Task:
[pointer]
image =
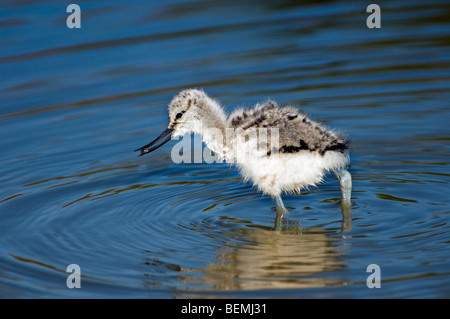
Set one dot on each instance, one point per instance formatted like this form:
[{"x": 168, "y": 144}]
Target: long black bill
[{"x": 146, "y": 148}]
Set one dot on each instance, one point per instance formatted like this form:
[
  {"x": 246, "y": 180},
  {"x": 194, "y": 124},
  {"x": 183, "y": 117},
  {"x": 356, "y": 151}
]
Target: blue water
[{"x": 75, "y": 103}]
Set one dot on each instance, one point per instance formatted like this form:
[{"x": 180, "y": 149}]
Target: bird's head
[{"x": 185, "y": 110}]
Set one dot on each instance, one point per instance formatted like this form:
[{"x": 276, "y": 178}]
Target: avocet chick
[{"x": 285, "y": 151}]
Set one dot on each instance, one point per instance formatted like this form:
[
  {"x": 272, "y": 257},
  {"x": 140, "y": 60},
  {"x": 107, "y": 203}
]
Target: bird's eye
[{"x": 179, "y": 115}]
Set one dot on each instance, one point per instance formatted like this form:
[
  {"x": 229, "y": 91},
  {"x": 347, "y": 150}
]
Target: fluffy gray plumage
[
  {"x": 296, "y": 131},
  {"x": 308, "y": 149}
]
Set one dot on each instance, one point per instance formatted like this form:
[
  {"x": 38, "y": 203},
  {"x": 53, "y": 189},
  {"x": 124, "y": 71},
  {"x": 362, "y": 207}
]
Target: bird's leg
[
  {"x": 279, "y": 203},
  {"x": 345, "y": 181},
  {"x": 280, "y": 212}
]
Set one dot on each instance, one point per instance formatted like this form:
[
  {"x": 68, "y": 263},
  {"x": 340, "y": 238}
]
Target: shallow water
[{"x": 75, "y": 103}]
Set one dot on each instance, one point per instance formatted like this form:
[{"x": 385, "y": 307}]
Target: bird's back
[
  {"x": 296, "y": 131},
  {"x": 298, "y": 158}
]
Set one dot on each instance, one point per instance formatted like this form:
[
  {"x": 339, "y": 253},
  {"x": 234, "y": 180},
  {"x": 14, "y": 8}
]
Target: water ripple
[{"x": 74, "y": 105}]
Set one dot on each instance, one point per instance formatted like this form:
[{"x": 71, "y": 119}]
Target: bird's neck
[{"x": 212, "y": 127}]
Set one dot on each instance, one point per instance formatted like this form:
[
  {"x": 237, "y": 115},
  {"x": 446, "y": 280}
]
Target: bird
[{"x": 278, "y": 148}]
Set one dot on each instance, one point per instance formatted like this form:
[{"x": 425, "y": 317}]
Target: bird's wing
[{"x": 288, "y": 130}]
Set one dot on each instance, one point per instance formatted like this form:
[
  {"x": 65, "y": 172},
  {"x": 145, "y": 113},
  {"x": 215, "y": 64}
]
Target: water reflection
[
  {"x": 72, "y": 191},
  {"x": 346, "y": 224},
  {"x": 286, "y": 259},
  {"x": 256, "y": 257},
  {"x": 264, "y": 259}
]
